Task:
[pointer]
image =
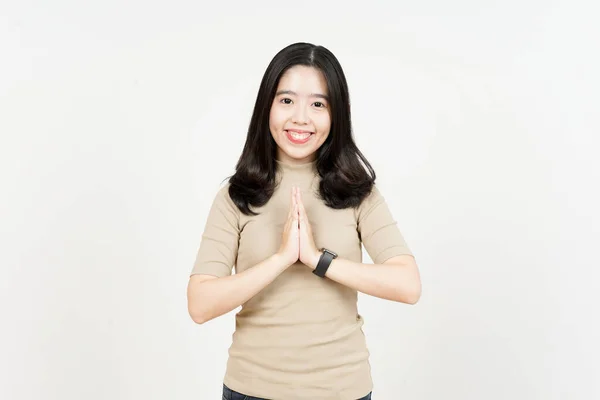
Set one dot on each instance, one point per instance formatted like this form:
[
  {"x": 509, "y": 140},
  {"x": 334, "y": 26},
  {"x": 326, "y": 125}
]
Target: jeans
[{"x": 229, "y": 394}]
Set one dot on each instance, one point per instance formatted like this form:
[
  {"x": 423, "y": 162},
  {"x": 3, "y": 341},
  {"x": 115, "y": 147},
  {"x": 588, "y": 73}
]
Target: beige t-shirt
[{"x": 301, "y": 336}]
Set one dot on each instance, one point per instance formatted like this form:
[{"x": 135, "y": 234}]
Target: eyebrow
[{"x": 319, "y": 95}]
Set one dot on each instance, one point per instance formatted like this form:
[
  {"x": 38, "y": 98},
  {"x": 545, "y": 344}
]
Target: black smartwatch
[{"x": 324, "y": 262}]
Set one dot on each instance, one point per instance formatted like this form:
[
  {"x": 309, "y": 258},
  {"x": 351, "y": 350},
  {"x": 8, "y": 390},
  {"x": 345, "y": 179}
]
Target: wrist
[
  {"x": 324, "y": 261},
  {"x": 315, "y": 259},
  {"x": 281, "y": 260}
]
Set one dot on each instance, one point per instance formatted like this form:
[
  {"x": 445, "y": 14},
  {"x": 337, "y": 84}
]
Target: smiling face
[{"x": 300, "y": 116}]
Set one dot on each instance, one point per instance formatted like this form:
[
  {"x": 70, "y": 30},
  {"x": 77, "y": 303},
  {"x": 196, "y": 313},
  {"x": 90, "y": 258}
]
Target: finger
[
  {"x": 296, "y": 216},
  {"x": 292, "y": 203},
  {"x": 301, "y": 208},
  {"x": 296, "y": 189},
  {"x": 290, "y": 216}
]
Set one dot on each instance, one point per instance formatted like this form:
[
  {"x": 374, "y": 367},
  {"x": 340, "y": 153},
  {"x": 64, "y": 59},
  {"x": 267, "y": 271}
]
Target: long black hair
[{"x": 344, "y": 181}]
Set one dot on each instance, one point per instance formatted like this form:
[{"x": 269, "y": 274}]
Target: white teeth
[{"x": 299, "y": 136}]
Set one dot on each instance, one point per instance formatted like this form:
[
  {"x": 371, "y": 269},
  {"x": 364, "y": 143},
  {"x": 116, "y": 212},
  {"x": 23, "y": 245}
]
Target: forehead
[{"x": 303, "y": 80}]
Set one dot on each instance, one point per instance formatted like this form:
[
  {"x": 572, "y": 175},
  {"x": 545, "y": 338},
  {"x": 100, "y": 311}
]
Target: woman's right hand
[{"x": 289, "y": 249}]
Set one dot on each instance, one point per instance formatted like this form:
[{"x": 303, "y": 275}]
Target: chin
[{"x": 298, "y": 155}]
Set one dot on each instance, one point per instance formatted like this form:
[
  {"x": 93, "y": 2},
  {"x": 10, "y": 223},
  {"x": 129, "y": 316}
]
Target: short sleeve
[
  {"x": 378, "y": 230},
  {"x": 218, "y": 248}
]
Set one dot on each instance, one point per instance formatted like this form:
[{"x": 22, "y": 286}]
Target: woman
[{"x": 292, "y": 219}]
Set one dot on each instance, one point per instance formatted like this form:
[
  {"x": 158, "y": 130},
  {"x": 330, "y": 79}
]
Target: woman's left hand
[{"x": 309, "y": 254}]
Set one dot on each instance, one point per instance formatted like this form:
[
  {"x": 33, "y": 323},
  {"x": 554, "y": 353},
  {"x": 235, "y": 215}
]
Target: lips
[{"x": 297, "y": 136}]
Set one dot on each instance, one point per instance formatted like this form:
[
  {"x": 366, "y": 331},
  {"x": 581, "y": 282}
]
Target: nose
[{"x": 300, "y": 115}]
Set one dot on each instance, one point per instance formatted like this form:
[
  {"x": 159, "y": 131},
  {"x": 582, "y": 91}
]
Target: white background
[{"x": 120, "y": 120}]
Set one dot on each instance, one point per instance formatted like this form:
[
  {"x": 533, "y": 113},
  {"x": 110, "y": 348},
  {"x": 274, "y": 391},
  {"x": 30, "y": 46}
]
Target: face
[{"x": 300, "y": 116}]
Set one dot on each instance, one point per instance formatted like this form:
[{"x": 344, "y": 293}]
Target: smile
[{"x": 298, "y": 138}]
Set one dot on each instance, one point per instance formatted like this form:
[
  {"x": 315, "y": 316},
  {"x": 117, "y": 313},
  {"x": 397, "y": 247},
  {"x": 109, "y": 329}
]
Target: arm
[
  {"x": 210, "y": 297},
  {"x": 396, "y": 279},
  {"x": 212, "y": 289}
]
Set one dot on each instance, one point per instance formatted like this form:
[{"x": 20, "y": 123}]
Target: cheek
[
  {"x": 324, "y": 124},
  {"x": 276, "y": 119}
]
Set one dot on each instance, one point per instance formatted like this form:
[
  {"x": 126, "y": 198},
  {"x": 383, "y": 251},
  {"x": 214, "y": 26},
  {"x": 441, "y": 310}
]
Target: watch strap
[{"x": 324, "y": 263}]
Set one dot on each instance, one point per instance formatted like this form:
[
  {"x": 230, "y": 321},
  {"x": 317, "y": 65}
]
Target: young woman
[{"x": 292, "y": 220}]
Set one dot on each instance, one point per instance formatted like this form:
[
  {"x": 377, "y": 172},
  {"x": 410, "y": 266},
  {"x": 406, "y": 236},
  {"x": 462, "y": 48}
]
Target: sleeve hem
[
  {"x": 392, "y": 252},
  {"x": 216, "y": 269}
]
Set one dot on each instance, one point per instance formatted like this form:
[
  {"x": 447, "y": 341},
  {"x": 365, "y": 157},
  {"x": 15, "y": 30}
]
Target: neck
[{"x": 302, "y": 166}]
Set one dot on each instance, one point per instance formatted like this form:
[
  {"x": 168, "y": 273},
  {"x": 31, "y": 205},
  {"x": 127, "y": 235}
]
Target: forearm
[
  {"x": 211, "y": 298},
  {"x": 397, "y": 282}
]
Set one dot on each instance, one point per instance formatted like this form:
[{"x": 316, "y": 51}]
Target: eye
[
  {"x": 321, "y": 105},
  {"x": 284, "y": 99}
]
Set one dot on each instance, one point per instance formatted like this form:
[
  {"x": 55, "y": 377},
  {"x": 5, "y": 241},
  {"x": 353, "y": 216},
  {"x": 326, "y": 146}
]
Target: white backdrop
[{"x": 119, "y": 121}]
